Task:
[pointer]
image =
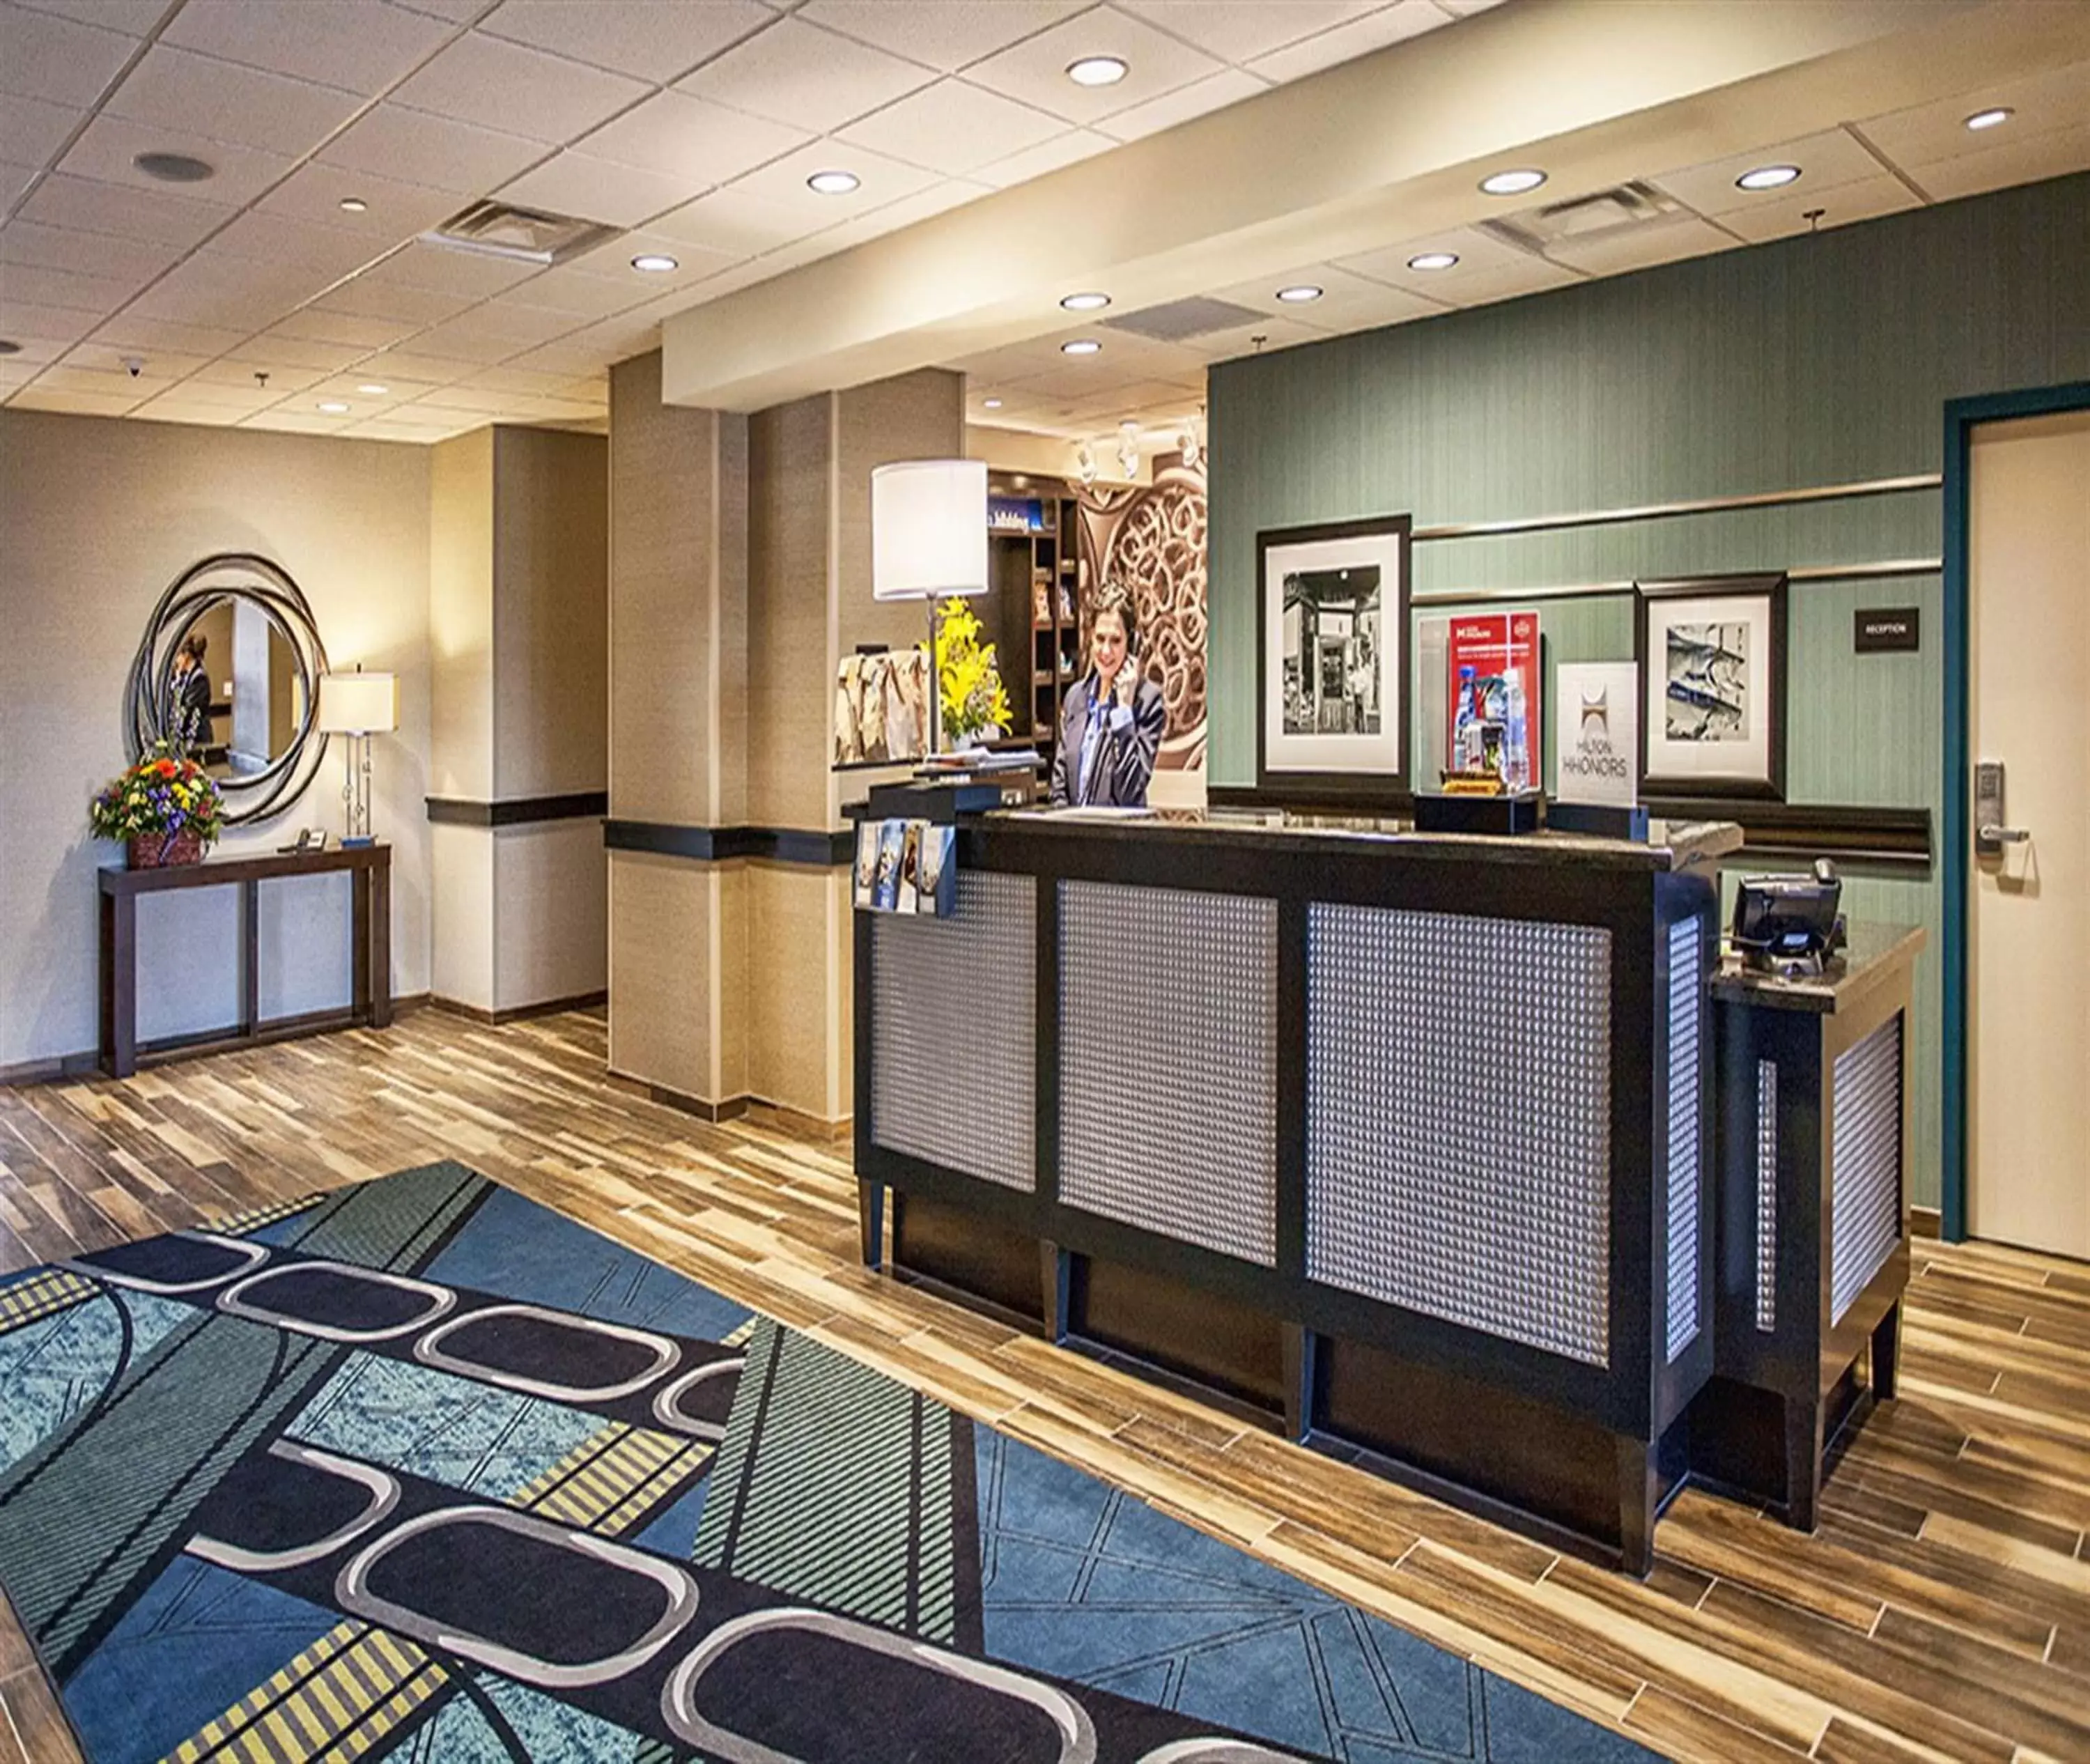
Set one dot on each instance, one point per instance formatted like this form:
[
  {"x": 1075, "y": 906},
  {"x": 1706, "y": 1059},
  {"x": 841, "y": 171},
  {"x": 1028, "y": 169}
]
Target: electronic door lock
[{"x": 1990, "y": 833}]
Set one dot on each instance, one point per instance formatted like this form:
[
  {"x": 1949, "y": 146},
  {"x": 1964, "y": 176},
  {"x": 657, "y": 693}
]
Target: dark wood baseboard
[
  {"x": 66, "y": 1067},
  {"x": 757, "y": 1111},
  {"x": 516, "y": 1013},
  {"x": 731, "y": 1109},
  {"x": 1926, "y": 1222}
]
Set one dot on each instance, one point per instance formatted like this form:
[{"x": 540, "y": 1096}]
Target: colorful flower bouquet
[
  {"x": 968, "y": 679},
  {"x": 166, "y": 808}
]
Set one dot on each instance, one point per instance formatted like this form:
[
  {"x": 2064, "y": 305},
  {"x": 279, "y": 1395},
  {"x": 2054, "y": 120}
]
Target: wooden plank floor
[{"x": 1942, "y": 1611}]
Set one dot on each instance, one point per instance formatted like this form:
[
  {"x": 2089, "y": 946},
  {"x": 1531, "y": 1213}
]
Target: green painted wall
[{"x": 1811, "y": 361}]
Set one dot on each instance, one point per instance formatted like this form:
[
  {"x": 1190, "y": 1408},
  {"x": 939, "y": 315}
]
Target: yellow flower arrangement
[{"x": 968, "y": 675}]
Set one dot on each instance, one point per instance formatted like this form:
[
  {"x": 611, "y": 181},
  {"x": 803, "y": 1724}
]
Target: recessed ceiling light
[
  {"x": 1080, "y": 345},
  {"x": 9, "y": 347},
  {"x": 1511, "y": 183},
  {"x": 333, "y": 408},
  {"x": 1097, "y": 71},
  {"x": 991, "y": 404},
  {"x": 1303, "y": 292},
  {"x": 833, "y": 183},
  {"x": 1987, "y": 119},
  {"x": 1433, "y": 260},
  {"x": 373, "y": 390},
  {"x": 654, "y": 264},
  {"x": 353, "y": 205},
  {"x": 1767, "y": 178},
  {"x": 1084, "y": 303},
  {"x": 174, "y": 168}
]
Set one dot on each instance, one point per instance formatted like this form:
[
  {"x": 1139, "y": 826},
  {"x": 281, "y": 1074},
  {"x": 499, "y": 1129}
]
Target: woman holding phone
[{"x": 1110, "y": 725}]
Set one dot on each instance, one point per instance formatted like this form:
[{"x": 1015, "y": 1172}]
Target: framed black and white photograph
[
  {"x": 1332, "y": 662},
  {"x": 1711, "y": 653}
]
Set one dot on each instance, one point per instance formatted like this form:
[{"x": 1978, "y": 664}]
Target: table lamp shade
[
  {"x": 358, "y": 704},
  {"x": 928, "y": 529}
]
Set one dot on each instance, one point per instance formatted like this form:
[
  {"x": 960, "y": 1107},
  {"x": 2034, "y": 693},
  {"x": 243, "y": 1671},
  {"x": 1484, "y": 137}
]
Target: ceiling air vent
[
  {"x": 495, "y": 229},
  {"x": 1582, "y": 219},
  {"x": 1179, "y": 321}
]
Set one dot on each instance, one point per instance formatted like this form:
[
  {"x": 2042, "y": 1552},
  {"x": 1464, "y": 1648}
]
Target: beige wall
[
  {"x": 551, "y": 608},
  {"x": 461, "y": 867},
  {"x": 461, "y": 615},
  {"x": 98, "y": 516},
  {"x": 551, "y": 901},
  {"x": 791, "y": 573}
]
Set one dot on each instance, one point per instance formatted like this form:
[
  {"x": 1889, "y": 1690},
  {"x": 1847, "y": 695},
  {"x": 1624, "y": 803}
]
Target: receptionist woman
[{"x": 1111, "y": 725}]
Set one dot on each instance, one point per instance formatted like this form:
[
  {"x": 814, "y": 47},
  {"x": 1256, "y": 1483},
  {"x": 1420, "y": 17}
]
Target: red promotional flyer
[{"x": 1495, "y": 698}]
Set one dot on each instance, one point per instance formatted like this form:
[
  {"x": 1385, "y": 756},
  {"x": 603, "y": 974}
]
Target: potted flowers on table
[
  {"x": 165, "y": 808},
  {"x": 968, "y": 679}
]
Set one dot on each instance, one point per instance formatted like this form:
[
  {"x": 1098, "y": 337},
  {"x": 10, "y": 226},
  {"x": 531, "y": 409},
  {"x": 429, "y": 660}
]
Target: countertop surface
[
  {"x": 1669, "y": 845},
  {"x": 1871, "y": 956}
]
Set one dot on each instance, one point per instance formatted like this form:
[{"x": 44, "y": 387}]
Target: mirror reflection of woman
[
  {"x": 1111, "y": 727},
  {"x": 187, "y": 721}
]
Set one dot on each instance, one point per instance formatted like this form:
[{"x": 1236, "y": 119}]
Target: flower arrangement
[
  {"x": 968, "y": 676},
  {"x": 165, "y": 805}
]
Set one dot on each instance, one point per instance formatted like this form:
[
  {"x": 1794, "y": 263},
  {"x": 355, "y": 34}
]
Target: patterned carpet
[{"x": 422, "y": 1471}]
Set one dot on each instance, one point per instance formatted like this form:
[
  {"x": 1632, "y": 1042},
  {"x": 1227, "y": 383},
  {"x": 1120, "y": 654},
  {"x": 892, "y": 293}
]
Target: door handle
[{"x": 1993, "y": 834}]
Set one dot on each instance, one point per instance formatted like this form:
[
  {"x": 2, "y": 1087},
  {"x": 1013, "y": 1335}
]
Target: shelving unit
[{"x": 1041, "y": 656}]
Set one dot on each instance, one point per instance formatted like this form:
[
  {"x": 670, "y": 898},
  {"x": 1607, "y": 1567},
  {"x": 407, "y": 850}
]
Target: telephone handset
[{"x": 308, "y": 839}]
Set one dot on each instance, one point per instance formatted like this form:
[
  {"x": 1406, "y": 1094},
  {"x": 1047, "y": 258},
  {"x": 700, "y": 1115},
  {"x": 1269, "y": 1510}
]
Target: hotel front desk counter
[{"x": 1405, "y": 1142}]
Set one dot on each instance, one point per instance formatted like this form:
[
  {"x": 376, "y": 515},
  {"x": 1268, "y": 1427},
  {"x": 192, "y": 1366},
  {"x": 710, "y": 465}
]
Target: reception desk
[{"x": 1401, "y": 1140}]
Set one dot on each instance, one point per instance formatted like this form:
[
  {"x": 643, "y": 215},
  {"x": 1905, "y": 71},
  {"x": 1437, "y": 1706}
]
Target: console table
[{"x": 370, "y": 893}]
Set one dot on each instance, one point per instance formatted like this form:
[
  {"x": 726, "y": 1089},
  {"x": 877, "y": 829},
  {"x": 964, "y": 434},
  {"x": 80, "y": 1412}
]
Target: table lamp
[
  {"x": 928, "y": 539},
  {"x": 357, "y": 705}
]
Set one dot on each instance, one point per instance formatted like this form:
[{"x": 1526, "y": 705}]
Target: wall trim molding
[
  {"x": 1882, "y": 570},
  {"x": 515, "y": 1013},
  {"x": 518, "y": 810},
  {"x": 717, "y": 845},
  {"x": 1661, "y": 511}
]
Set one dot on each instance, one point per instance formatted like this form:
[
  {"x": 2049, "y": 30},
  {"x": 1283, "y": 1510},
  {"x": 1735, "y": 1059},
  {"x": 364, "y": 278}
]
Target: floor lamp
[
  {"x": 357, "y": 705},
  {"x": 928, "y": 539}
]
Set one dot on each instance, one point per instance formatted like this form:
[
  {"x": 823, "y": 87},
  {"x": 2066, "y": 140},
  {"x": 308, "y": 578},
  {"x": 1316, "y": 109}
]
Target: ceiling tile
[
  {"x": 1666, "y": 241},
  {"x": 1825, "y": 161},
  {"x": 1067, "y": 149},
  {"x": 365, "y": 299},
  {"x": 522, "y": 379},
  {"x": 689, "y": 137},
  {"x": 413, "y": 147},
  {"x": 158, "y": 365},
  {"x": 947, "y": 34},
  {"x": 70, "y": 289},
  {"x": 1858, "y": 200},
  {"x": 59, "y": 60},
  {"x": 232, "y": 381},
  {"x": 114, "y": 381},
  {"x": 289, "y": 421},
  {"x": 2057, "y": 98},
  {"x": 28, "y": 244},
  {"x": 120, "y": 209},
  {"x": 515, "y": 326},
  {"x": 652, "y": 39},
  {"x": 411, "y": 365},
  {"x": 288, "y": 346},
  {"x": 612, "y": 262},
  {"x": 134, "y": 18},
  {"x": 882, "y": 180},
  {"x": 953, "y": 127},
  {"x": 133, "y": 330},
  {"x": 40, "y": 334},
  {"x": 1348, "y": 301},
  {"x": 443, "y": 270},
  {"x": 457, "y": 11},
  {"x": 1034, "y": 71},
  {"x": 1230, "y": 85},
  {"x": 503, "y": 85},
  {"x": 1346, "y": 42},
  {"x": 331, "y": 338},
  {"x": 172, "y": 408},
  {"x": 461, "y": 338},
  {"x": 938, "y": 198},
  {"x": 560, "y": 357},
  {"x": 110, "y": 143},
  {"x": 2051, "y": 153},
  {"x": 1487, "y": 268},
  {"x": 582, "y": 297},
  {"x": 31, "y": 130},
  {"x": 736, "y": 223},
  {"x": 228, "y": 291},
  {"x": 179, "y": 89},
  {"x": 1238, "y": 31},
  {"x": 333, "y": 250},
  {"x": 391, "y": 212},
  {"x": 601, "y": 190},
  {"x": 14, "y": 181},
  {"x": 34, "y": 398},
  {"x": 362, "y": 46},
  {"x": 799, "y": 73}
]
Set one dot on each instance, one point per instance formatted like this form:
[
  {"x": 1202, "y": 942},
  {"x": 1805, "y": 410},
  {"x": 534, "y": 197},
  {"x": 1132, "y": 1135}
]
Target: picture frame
[
  {"x": 1332, "y": 712},
  {"x": 1711, "y": 655}
]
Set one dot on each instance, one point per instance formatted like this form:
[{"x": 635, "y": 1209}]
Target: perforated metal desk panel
[{"x": 1401, "y": 1137}]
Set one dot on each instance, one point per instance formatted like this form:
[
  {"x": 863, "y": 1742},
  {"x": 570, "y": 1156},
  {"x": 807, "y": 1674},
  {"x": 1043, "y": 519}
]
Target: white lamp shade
[
  {"x": 358, "y": 704},
  {"x": 928, "y": 528}
]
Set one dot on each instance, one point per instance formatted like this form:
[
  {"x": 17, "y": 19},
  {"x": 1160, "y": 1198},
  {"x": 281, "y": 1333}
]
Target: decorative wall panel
[
  {"x": 1458, "y": 1120},
  {"x": 1169, "y": 1063},
  {"x": 954, "y": 1031},
  {"x": 1864, "y": 1162},
  {"x": 1686, "y": 1157},
  {"x": 1767, "y": 1195}
]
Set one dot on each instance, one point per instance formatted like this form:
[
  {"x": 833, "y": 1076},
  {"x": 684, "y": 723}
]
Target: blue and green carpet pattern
[{"x": 421, "y": 1471}]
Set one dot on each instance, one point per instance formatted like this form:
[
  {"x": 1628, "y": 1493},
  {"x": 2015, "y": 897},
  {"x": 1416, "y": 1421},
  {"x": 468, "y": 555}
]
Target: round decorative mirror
[{"x": 229, "y": 669}]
